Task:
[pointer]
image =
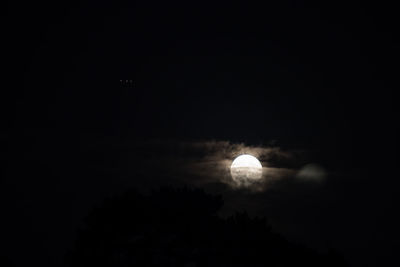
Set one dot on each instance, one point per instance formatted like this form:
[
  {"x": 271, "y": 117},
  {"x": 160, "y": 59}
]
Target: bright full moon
[{"x": 246, "y": 169}]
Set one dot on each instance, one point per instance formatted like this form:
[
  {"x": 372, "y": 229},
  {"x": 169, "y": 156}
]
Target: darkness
[{"x": 315, "y": 76}]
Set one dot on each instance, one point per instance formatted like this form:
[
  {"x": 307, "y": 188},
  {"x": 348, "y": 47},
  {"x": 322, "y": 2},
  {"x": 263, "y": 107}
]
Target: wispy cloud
[{"x": 208, "y": 162}]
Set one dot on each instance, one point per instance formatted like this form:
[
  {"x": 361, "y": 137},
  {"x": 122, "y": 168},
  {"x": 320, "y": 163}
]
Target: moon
[{"x": 246, "y": 169}]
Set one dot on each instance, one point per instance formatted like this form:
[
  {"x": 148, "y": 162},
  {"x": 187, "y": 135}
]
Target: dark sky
[{"x": 316, "y": 77}]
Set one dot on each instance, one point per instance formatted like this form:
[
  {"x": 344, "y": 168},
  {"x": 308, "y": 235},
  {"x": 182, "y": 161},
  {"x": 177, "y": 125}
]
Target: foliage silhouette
[
  {"x": 180, "y": 227},
  {"x": 5, "y": 261}
]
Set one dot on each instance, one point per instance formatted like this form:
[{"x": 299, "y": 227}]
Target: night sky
[{"x": 102, "y": 97}]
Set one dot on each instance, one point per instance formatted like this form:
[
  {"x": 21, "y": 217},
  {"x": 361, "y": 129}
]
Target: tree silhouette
[
  {"x": 5, "y": 261},
  {"x": 180, "y": 227}
]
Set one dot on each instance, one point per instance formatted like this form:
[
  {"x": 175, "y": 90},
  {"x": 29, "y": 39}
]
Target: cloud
[
  {"x": 200, "y": 163},
  {"x": 312, "y": 173}
]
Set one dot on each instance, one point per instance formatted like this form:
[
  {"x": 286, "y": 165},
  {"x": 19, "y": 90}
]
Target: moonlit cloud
[
  {"x": 201, "y": 163},
  {"x": 312, "y": 173}
]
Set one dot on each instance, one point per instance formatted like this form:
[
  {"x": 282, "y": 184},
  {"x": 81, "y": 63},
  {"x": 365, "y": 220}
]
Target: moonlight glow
[{"x": 246, "y": 169}]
